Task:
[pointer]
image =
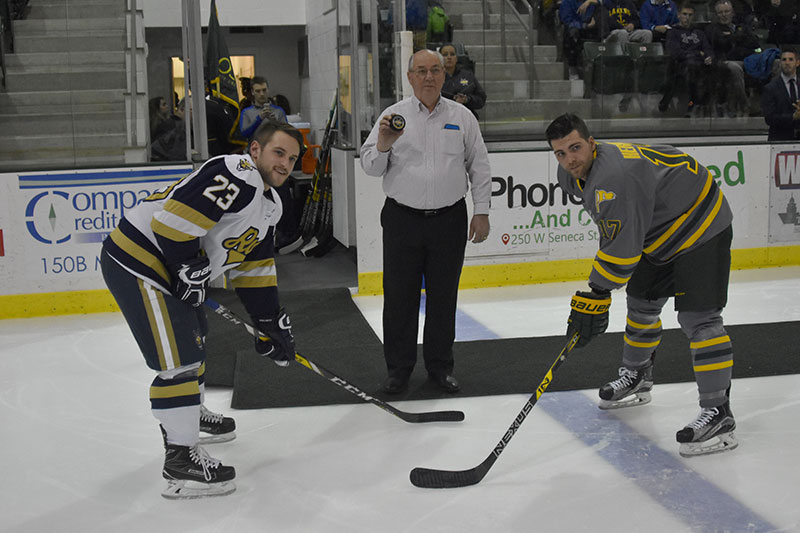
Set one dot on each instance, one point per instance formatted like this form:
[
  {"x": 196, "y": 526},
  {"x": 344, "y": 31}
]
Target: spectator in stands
[
  {"x": 581, "y": 22},
  {"x": 460, "y": 84},
  {"x": 171, "y": 145},
  {"x": 622, "y": 25},
  {"x": 221, "y": 127},
  {"x": 691, "y": 59},
  {"x": 247, "y": 92},
  {"x": 730, "y": 44},
  {"x": 159, "y": 116},
  {"x": 417, "y": 22},
  {"x": 262, "y": 108},
  {"x": 744, "y": 13},
  {"x": 780, "y": 101},
  {"x": 282, "y": 102},
  {"x": 782, "y": 19},
  {"x": 658, "y": 16}
]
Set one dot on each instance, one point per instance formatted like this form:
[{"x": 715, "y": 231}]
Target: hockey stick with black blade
[
  {"x": 428, "y": 478},
  {"x": 414, "y": 418}
]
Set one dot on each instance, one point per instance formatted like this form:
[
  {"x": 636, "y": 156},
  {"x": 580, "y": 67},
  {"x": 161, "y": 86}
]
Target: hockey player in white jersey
[
  {"x": 665, "y": 231},
  {"x": 157, "y": 264}
]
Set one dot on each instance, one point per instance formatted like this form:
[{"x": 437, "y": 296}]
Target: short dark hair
[
  {"x": 564, "y": 125},
  {"x": 789, "y": 49},
  {"x": 259, "y": 80},
  {"x": 268, "y": 128},
  {"x": 686, "y": 4}
]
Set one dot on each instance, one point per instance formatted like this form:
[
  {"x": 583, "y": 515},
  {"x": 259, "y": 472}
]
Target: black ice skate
[
  {"x": 219, "y": 428},
  {"x": 191, "y": 473},
  {"x": 711, "y": 432},
  {"x": 631, "y": 388}
]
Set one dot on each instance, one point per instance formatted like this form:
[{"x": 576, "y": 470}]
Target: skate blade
[
  {"x": 215, "y": 439},
  {"x": 639, "y": 398},
  {"x": 192, "y": 490},
  {"x": 721, "y": 443}
]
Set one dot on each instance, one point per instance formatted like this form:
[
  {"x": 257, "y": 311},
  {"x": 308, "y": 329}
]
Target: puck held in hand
[{"x": 397, "y": 123}]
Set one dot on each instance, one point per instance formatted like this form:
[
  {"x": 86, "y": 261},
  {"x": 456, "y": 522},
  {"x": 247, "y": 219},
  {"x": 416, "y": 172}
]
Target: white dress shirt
[{"x": 436, "y": 160}]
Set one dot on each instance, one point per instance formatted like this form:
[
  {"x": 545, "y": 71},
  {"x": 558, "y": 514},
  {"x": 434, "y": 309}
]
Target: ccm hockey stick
[
  {"x": 428, "y": 478},
  {"x": 432, "y": 416}
]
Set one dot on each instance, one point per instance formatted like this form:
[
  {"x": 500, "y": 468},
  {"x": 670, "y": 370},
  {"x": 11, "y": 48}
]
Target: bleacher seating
[{"x": 608, "y": 69}]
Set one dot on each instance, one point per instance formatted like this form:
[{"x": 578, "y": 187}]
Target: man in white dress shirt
[{"x": 427, "y": 169}]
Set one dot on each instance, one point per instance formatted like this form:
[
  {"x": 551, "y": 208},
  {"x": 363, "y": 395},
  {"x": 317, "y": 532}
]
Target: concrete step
[
  {"x": 64, "y": 123},
  {"x": 63, "y": 162},
  {"x": 58, "y": 25},
  {"x": 38, "y": 99},
  {"x": 82, "y": 142},
  {"x": 507, "y": 90},
  {"x": 87, "y": 41},
  {"x": 76, "y": 9},
  {"x": 41, "y": 59},
  {"x": 471, "y": 7},
  {"x": 72, "y": 77},
  {"x": 518, "y": 71},
  {"x": 534, "y": 109},
  {"x": 469, "y": 21},
  {"x": 511, "y": 129},
  {"x": 491, "y": 37},
  {"x": 515, "y": 52},
  {"x": 72, "y": 3}
]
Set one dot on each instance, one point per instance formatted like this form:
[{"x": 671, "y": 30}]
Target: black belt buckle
[{"x": 431, "y": 212}]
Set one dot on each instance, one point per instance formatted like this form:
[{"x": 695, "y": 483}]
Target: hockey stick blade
[
  {"x": 429, "y": 478},
  {"x": 414, "y": 418}
]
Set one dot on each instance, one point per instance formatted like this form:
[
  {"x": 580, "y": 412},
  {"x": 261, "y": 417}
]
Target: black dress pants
[{"x": 416, "y": 246}]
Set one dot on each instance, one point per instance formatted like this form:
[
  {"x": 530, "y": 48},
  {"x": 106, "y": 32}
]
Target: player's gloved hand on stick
[
  {"x": 190, "y": 280},
  {"x": 279, "y": 345},
  {"x": 589, "y": 315}
]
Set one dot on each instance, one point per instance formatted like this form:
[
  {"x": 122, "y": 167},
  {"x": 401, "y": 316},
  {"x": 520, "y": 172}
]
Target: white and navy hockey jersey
[
  {"x": 651, "y": 200},
  {"x": 221, "y": 208}
]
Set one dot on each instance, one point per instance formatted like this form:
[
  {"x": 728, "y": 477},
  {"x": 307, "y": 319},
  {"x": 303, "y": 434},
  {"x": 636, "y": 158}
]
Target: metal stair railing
[{"x": 529, "y": 26}]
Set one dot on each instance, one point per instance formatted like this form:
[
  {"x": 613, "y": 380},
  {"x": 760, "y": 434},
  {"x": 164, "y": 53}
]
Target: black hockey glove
[
  {"x": 279, "y": 343},
  {"x": 589, "y": 315},
  {"x": 190, "y": 280}
]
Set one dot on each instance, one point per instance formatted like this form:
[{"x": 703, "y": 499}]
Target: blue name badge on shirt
[{"x": 451, "y": 127}]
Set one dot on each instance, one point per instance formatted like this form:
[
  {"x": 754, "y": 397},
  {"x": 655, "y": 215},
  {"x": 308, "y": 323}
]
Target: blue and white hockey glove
[{"x": 279, "y": 343}]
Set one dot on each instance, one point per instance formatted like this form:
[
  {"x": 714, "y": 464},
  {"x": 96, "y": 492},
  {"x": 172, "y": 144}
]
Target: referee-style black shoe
[
  {"x": 446, "y": 382},
  {"x": 394, "y": 385}
]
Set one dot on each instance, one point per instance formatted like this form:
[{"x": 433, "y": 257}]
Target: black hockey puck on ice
[{"x": 397, "y": 123}]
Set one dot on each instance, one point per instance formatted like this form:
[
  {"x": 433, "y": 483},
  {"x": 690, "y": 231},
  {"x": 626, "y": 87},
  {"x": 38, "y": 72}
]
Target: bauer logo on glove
[
  {"x": 589, "y": 315},
  {"x": 590, "y": 305}
]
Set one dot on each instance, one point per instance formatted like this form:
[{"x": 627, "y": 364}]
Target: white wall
[{"x": 166, "y": 13}]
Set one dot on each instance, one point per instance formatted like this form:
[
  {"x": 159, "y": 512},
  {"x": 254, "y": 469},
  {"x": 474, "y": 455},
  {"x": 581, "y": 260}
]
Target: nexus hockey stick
[
  {"x": 428, "y": 478},
  {"x": 432, "y": 416}
]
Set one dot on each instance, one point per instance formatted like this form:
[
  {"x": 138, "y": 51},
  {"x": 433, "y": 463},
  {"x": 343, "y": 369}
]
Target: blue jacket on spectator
[
  {"x": 658, "y": 14},
  {"x": 568, "y": 13}
]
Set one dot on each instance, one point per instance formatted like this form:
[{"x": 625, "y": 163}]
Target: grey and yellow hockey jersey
[
  {"x": 221, "y": 208},
  {"x": 651, "y": 200}
]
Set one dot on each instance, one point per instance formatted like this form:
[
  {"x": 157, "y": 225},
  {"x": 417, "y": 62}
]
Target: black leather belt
[{"x": 424, "y": 212}]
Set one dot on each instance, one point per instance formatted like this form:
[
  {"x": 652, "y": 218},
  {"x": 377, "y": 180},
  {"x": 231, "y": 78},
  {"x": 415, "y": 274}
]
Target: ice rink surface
[{"x": 81, "y": 451}]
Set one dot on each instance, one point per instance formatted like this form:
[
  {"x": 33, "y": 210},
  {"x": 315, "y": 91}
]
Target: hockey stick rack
[
  {"x": 429, "y": 478},
  {"x": 316, "y": 221},
  {"x": 414, "y": 418}
]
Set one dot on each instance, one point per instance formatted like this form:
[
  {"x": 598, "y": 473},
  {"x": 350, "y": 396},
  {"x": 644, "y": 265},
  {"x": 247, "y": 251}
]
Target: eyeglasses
[{"x": 423, "y": 72}]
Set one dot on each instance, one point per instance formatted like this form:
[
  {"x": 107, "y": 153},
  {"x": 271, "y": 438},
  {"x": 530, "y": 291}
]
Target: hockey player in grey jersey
[
  {"x": 665, "y": 231},
  {"x": 157, "y": 264}
]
